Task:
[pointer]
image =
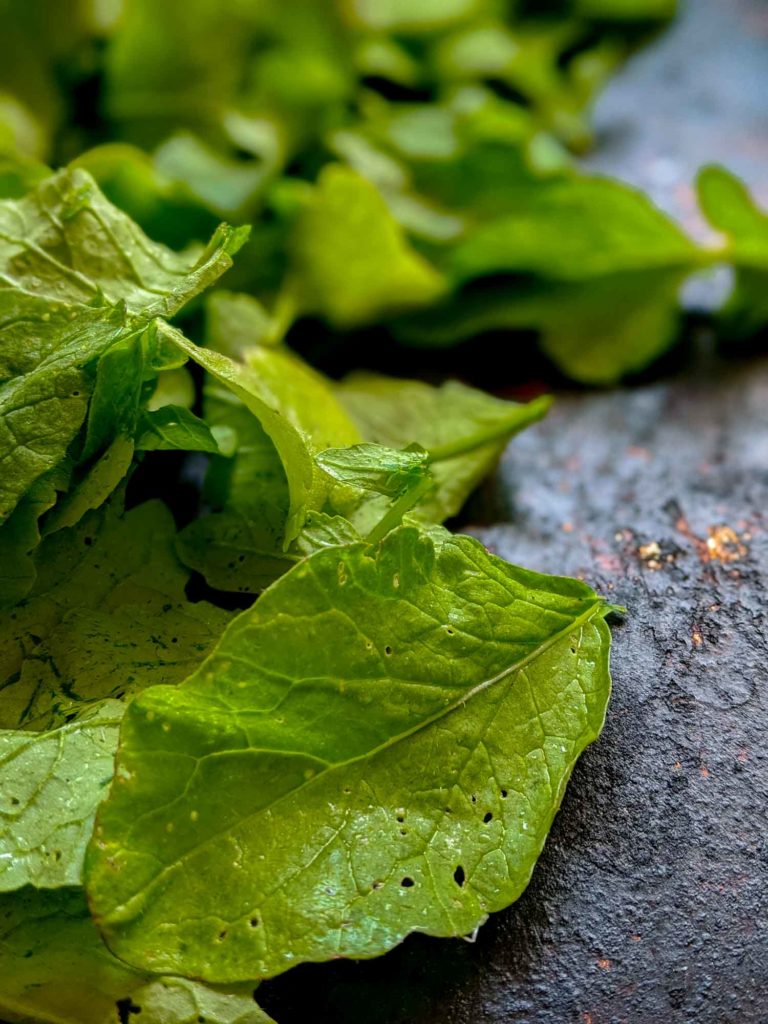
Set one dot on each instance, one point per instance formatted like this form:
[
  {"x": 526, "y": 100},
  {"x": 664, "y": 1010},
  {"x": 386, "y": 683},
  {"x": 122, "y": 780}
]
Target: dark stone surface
[{"x": 648, "y": 903}]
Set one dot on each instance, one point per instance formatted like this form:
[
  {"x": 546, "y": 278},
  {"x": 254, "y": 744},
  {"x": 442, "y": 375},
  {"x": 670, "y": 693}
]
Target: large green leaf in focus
[
  {"x": 55, "y": 969},
  {"x": 731, "y": 209},
  {"x": 399, "y": 724},
  {"x": 464, "y": 430},
  {"x": 107, "y": 616}
]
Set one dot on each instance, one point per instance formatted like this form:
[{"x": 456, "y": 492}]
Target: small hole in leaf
[
  {"x": 449, "y": 630},
  {"x": 459, "y": 876},
  {"x": 403, "y": 831},
  {"x": 87, "y": 541},
  {"x": 400, "y": 818},
  {"x": 473, "y": 798},
  {"x": 254, "y": 922},
  {"x": 15, "y": 801},
  {"x": 377, "y": 885},
  {"x": 504, "y": 794},
  {"x": 407, "y": 882},
  {"x": 488, "y": 817},
  {"x": 222, "y": 935},
  {"x": 241, "y": 558},
  {"x": 573, "y": 650},
  {"x": 174, "y": 639},
  {"x": 126, "y": 1007},
  {"x": 387, "y": 650},
  {"x": 447, "y": 810}
]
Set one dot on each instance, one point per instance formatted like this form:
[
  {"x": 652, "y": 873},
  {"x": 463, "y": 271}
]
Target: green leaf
[
  {"x": 163, "y": 207},
  {"x": 729, "y": 207},
  {"x": 618, "y": 10},
  {"x": 596, "y": 333},
  {"x": 411, "y": 15},
  {"x": 375, "y": 486},
  {"x": 463, "y": 430},
  {"x": 240, "y": 547},
  {"x": 352, "y": 262},
  {"x": 174, "y": 427},
  {"x": 575, "y": 229},
  {"x": 373, "y": 467},
  {"x": 235, "y": 323},
  {"x": 234, "y": 552},
  {"x": 54, "y": 969},
  {"x": 296, "y": 409},
  {"x": 63, "y": 246},
  {"x": 227, "y": 187},
  {"x": 107, "y": 617},
  {"x": 65, "y": 241},
  {"x": 93, "y": 489},
  {"x": 43, "y": 409},
  {"x": 324, "y": 531},
  {"x": 399, "y": 772},
  {"x": 18, "y": 176},
  {"x": 599, "y": 270},
  {"x": 173, "y": 387},
  {"x": 20, "y": 536},
  {"x": 178, "y": 63},
  {"x": 52, "y": 783}
]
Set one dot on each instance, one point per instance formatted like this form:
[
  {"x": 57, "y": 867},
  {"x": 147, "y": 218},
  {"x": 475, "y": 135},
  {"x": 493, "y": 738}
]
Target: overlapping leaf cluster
[
  {"x": 378, "y": 743},
  {"x": 378, "y": 638}
]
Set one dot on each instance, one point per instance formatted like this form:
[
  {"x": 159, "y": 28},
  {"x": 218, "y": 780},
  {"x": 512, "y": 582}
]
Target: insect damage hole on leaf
[
  {"x": 459, "y": 876},
  {"x": 407, "y": 883},
  {"x": 125, "y": 1008}
]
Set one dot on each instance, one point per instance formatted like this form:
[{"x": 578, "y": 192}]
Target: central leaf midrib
[{"x": 369, "y": 754}]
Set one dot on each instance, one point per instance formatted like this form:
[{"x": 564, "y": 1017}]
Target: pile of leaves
[{"x": 295, "y": 718}]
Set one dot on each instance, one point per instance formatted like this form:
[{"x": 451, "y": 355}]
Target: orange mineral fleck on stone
[{"x": 724, "y": 545}]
